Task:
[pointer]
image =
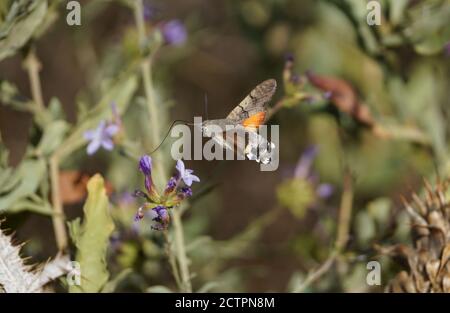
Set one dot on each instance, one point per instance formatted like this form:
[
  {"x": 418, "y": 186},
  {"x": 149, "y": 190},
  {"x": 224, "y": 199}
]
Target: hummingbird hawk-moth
[{"x": 248, "y": 115}]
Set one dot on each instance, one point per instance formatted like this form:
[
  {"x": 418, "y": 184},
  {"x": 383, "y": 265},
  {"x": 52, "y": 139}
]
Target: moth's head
[
  {"x": 211, "y": 128},
  {"x": 207, "y": 128}
]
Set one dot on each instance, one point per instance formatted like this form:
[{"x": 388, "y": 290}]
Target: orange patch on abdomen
[{"x": 255, "y": 120}]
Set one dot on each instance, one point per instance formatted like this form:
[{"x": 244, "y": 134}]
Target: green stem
[
  {"x": 159, "y": 172},
  {"x": 58, "y": 212},
  {"x": 152, "y": 109},
  {"x": 181, "y": 251},
  {"x": 33, "y": 66}
]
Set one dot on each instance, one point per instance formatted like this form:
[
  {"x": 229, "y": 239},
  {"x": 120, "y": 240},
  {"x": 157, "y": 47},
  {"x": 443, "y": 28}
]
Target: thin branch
[
  {"x": 160, "y": 175},
  {"x": 146, "y": 72},
  {"x": 181, "y": 251},
  {"x": 58, "y": 212},
  {"x": 344, "y": 220},
  {"x": 275, "y": 108},
  {"x": 33, "y": 67},
  {"x": 345, "y": 213},
  {"x": 319, "y": 272},
  {"x": 172, "y": 260}
]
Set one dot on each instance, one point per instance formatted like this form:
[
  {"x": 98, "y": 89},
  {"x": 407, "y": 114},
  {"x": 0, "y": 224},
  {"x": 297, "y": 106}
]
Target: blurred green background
[{"x": 248, "y": 230}]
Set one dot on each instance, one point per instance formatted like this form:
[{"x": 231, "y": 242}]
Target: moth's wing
[
  {"x": 255, "y": 102},
  {"x": 221, "y": 139},
  {"x": 229, "y": 141}
]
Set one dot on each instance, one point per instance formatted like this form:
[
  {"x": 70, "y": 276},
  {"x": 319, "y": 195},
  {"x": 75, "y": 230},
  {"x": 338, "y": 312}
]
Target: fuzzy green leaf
[
  {"x": 22, "y": 21},
  {"x": 53, "y": 136},
  {"x": 93, "y": 238},
  {"x": 23, "y": 183}
]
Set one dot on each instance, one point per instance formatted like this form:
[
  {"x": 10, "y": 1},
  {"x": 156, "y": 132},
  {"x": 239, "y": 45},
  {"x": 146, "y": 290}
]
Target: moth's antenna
[
  {"x": 168, "y": 131},
  {"x": 206, "y": 105}
]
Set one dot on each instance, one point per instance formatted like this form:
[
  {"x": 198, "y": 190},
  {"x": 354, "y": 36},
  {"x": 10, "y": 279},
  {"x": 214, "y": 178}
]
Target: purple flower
[
  {"x": 161, "y": 216},
  {"x": 186, "y": 192},
  {"x": 174, "y": 32},
  {"x": 139, "y": 215},
  {"x": 289, "y": 57},
  {"x": 145, "y": 165},
  {"x": 186, "y": 174},
  {"x": 149, "y": 11},
  {"x": 325, "y": 190},
  {"x": 327, "y": 95},
  {"x": 171, "y": 185},
  {"x": 102, "y": 136},
  {"x": 303, "y": 168}
]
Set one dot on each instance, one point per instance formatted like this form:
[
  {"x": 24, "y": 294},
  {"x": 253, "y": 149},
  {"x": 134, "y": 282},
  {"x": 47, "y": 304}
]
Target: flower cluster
[
  {"x": 157, "y": 205},
  {"x": 295, "y": 86}
]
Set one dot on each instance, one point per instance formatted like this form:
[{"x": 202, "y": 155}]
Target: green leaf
[
  {"x": 40, "y": 207},
  {"x": 397, "y": 11},
  {"x": 24, "y": 182},
  {"x": 429, "y": 30},
  {"x": 52, "y": 137},
  {"x": 23, "y": 19},
  {"x": 11, "y": 97},
  {"x": 74, "y": 229},
  {"x": 93, "y": 238},
  {"x": 111, "y": 286}
]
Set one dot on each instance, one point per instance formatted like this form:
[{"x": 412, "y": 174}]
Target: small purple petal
[
  {"x": 187, "y": 180},
  {"x": 126, "y": 198},
  {"x": 149, "y": 12},
  {"x": 174, "y": 32},
  {"x": 89, "y": 134},
  {"x": 327, "y": 95},
  {"x": 93, "y": 147},
  {"x": 194, "y": 178},
  {"x": 162, "y": 217},
  {"x": 139, "y": 215},
  {"x": 171, "y": 185},
  {"x": 325, "y": 190},
  {"x": 180, "y": 167},
  {"x": 303, "y": 167},
  {"x": 289, "y": 57},
  {"x": 111, "y": 130},
  {"x": 152, "y": 214},
  {"x": 107, "y": 144},
  {"x": 145, "y": 165},
  {"x": 186, "y": 191},
  {"x": 295, "y": 79}
]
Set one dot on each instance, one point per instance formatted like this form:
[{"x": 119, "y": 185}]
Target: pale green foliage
[
  {"x": 92, "y": 237},
  {"x": 22, "y": 21}
]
